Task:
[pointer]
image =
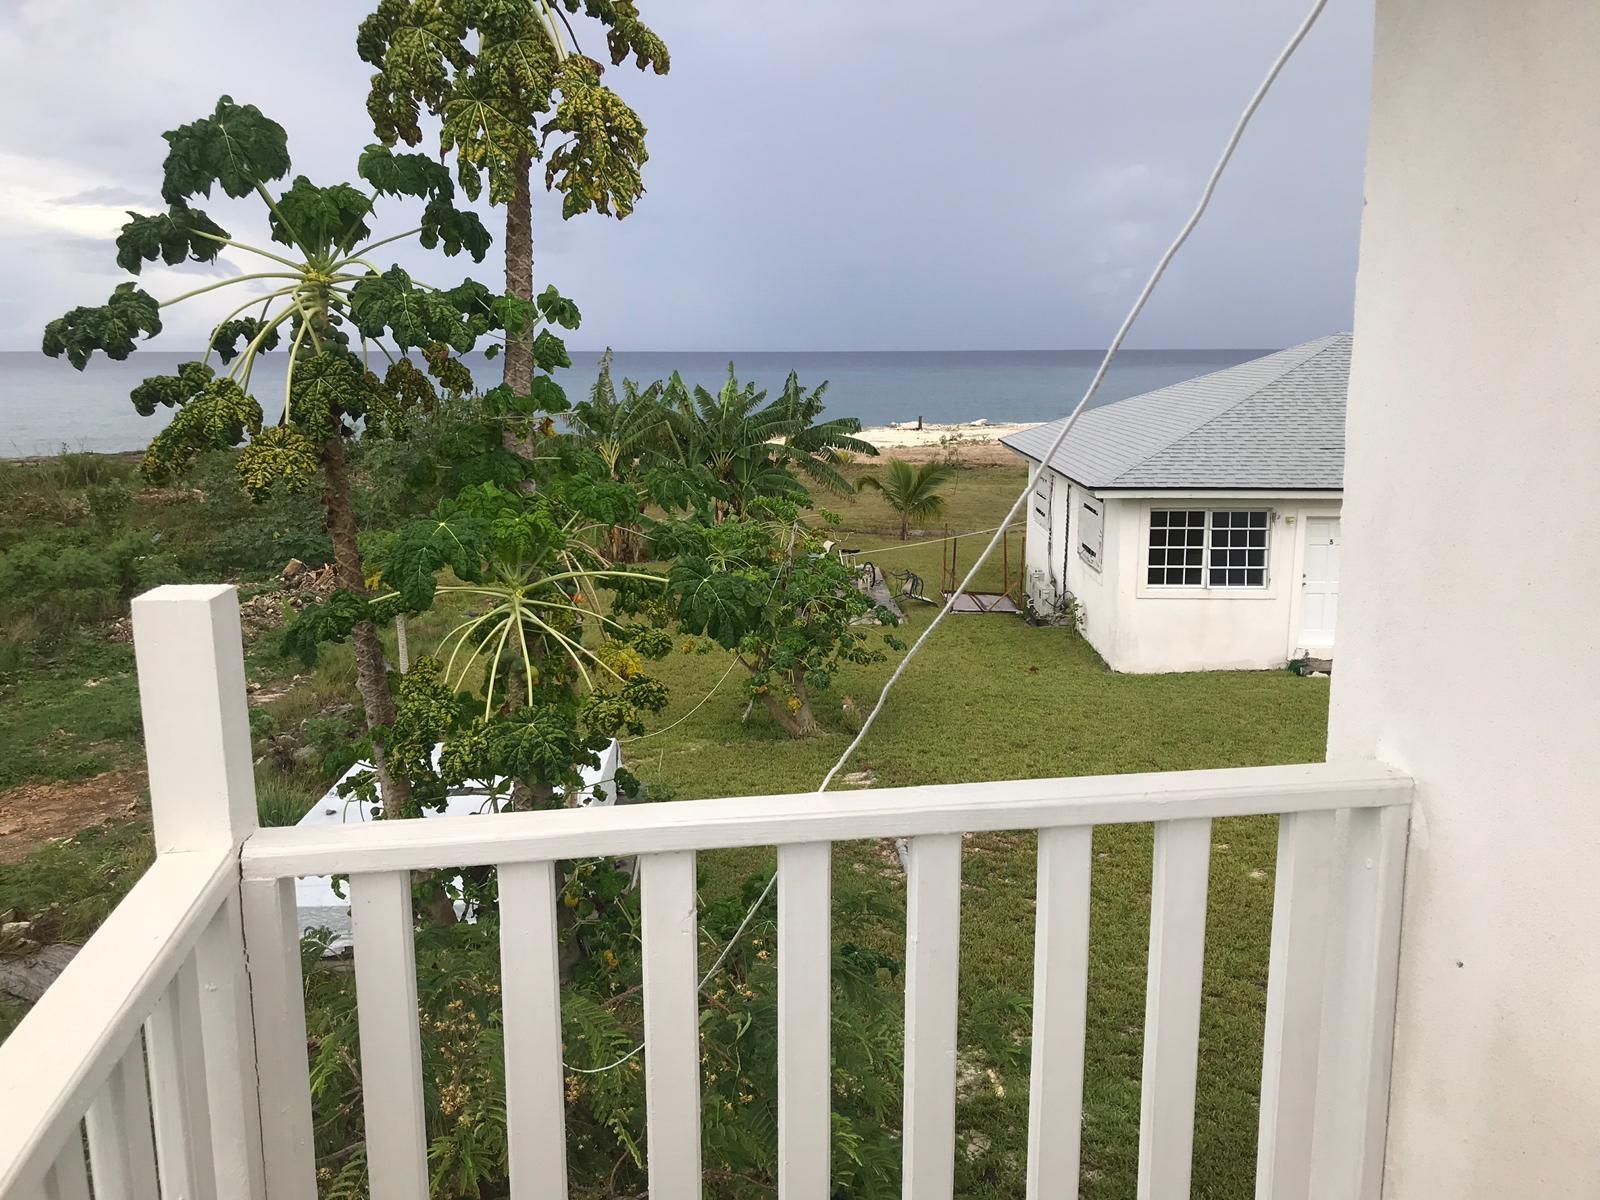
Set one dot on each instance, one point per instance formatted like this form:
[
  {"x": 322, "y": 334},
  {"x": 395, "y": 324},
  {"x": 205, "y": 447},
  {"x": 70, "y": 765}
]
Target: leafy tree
[
  {"x": 510, "y": 86},
  {"x": 767, "y": 591},
  {"x": 911, "y": 491},
  {"x": 323, "y": 296},
  {"x": 746, "y": 451}
]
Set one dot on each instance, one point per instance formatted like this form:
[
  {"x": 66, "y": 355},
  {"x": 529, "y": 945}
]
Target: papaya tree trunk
[
  {"x": 797, "y": 722},
  {"x": 372, "y": 679},
  {"x": 519, "y": 275}
]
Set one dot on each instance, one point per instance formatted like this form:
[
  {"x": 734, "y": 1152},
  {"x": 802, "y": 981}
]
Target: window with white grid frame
[
  {"x": 1212, "y": 548},
  {"x": 1237, "y": 555},
  {"x": 1177, "y": 548}
]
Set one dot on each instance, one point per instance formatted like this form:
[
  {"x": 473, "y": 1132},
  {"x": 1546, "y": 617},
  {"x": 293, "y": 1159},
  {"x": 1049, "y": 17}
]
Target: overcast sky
[{"x": 826, "y": 174}]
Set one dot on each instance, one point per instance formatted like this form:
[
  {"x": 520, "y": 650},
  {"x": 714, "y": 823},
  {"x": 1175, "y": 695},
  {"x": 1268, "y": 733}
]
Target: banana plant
[
  {"x": 318, "y": 290},
  {"x": 749, "y": 451},
  {"x": 629, "y": 434}
]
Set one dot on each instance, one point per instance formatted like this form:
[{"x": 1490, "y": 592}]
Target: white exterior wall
[
  {"x": 1142, "y": 629},
  {"x": 1204, "y": 629},
  {"x": 1054, "y": 565},
  {"x": 1471, "y": 624}
]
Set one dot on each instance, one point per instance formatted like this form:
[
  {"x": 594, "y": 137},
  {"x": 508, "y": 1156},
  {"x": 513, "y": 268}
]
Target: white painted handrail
[
  {"x": 68, "y": 1047},
  {"x": 832, "y": 816}
]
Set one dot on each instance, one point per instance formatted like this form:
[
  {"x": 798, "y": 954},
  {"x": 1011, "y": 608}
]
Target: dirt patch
[
  {"x": 968, "y": 454},
  {"x": 32, "y": 814}
]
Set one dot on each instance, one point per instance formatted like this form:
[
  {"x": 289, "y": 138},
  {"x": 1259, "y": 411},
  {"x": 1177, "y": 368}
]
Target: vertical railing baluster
[
  {"x": 933, "y": 960},
  {"x": 68, "y": 1177},
  {"x": 805, "y": 996},
  {"x": 1180, "y": 871},
  {"x": 530, "y": 991},
  {"x": 1060, "y": 996},
  {"x": 391, "y": 1039},
  {"x": 272, "y": 936},
  {"x": 228, "y": 1032},
  {"x": 178, "y": 1090},
  {"x": 121, "y": 1146},
  {"x": 1359, "y": 1007},
  {"x": 1295, "y": 980},
  {"x": 671, "y": 1025}
]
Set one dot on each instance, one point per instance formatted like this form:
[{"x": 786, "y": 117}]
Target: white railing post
[
  {"x": 196, "y": 722},
  {"x": 190, "y": 658},
  {"x": 1296, "y": 981},
  {"x": 1060, "y": 1011},
  {"x": 1179, "y": 877},
  {"x": 1352, "y": 1100},
  {"x": 933, "y": 961}
]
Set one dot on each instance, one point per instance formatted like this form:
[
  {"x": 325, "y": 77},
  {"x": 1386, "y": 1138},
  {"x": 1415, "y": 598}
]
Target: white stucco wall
[
  {"x": 1470, "y": 629},
  {"x": 1137, "y": 628},
  {"x": 1200, "y": 629}
]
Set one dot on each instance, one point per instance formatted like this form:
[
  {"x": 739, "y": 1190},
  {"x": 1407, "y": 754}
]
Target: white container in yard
[{"x": 321, "y": 907}]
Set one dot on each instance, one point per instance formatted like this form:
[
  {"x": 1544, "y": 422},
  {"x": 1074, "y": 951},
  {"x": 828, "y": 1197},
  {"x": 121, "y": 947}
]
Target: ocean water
[{"x": 46, "y": 405}]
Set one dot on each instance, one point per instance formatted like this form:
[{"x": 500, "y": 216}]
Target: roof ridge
[{"x": 1328, "y": 342}]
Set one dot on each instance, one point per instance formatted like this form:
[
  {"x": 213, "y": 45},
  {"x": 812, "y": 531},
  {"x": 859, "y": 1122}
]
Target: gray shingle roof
[{"x": 1274, "y": 422}]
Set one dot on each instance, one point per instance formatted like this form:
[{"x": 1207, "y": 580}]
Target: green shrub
[
  {"x": 458, "y": 979},
  {"x": 282, "y": 799}
]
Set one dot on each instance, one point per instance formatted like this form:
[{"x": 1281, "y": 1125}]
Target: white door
[{"x": 1319, "y": 586}]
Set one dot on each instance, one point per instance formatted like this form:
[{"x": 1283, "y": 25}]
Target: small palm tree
[{"x": 912, "y": 491}]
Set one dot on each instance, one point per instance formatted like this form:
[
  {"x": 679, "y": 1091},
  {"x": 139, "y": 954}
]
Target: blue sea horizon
[{"x": 47, "y": 406}]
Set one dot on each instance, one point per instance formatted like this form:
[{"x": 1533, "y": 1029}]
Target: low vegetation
[{"x": 991, "y": 698}]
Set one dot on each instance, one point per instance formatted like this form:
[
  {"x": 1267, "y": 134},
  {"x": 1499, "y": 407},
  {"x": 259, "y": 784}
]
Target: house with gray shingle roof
[{"x": 1196, "y": 527}]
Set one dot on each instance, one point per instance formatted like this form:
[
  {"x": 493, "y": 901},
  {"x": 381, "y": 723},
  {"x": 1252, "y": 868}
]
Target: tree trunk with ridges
[
  {"x": 519, "y": 276},
  {"x": 372, "y": 679}
]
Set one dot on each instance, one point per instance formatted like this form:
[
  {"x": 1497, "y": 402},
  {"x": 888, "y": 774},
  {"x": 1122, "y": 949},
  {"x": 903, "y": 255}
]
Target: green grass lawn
[{"x": 990, "y": 698}]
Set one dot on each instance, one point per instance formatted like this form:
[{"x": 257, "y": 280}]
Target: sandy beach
[{"x": 974, "y": 444}]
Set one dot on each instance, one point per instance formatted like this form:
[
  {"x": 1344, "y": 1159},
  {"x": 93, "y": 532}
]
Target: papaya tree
[
  {"x": 531, "y": 685},
  {"x": 767, "y": 590},
  {"x": 320, "y": 295},
  {"x": 510, "y": 86}
]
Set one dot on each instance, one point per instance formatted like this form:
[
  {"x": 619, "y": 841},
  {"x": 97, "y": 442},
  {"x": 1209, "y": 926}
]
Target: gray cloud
[
  {"x": 113, "y": 194},
  {"x": 907, "y": 174}
]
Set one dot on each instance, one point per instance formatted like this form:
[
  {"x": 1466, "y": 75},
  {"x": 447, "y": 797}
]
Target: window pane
[
  {"x": 1258, "y": 520},
  {"x": 1219, "y": 578},
  {"x": 1158, "y": 518},
  {"x": 1235, "y": 578},
  {"x": 1256, "y": 578},
  {"x": 1192, "y": 557},
  {"x": 1158, "y": 537},
  {"x": 1192, "y": 577},
  {"x": 1155, "y": 575}
]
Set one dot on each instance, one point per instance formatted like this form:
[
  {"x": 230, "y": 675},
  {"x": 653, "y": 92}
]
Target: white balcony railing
[{"x": 229, "y": 1106}]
